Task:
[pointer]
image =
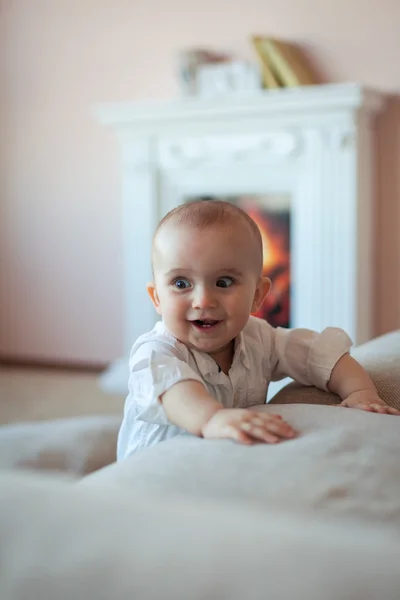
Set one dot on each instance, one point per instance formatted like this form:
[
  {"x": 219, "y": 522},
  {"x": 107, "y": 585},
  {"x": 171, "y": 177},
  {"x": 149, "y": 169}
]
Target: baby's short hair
[{"x": 202, "y": 214}]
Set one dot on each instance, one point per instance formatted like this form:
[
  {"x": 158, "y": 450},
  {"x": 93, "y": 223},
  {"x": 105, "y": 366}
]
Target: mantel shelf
[{"x": 153, "y": 115}]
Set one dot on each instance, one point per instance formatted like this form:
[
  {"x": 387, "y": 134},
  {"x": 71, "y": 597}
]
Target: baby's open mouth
[{"x": 205, "y": 323}]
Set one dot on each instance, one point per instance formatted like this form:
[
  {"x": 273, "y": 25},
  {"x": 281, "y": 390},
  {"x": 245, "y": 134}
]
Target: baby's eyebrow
[
  {"x": 217, "y": 273},
  {"x": 231, "y": 270},
  {"x": 172, "y": 272}
]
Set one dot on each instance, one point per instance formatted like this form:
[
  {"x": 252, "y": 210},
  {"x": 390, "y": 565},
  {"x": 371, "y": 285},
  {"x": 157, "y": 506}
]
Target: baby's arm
[
  {"x": 323, "y": 359},
  {"x": 188, "y": 405},
  {"x": 355, "y": 387}
]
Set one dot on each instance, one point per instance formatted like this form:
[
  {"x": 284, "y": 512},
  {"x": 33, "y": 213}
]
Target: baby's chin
[
  {"x": 208, "y": 346},
  {"x": 210, "y": 341}
]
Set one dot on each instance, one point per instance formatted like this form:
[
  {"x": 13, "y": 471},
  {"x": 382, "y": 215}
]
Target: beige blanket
[
  {"x": 64, "y": 541},
  {"x": 346, "y": 463}
]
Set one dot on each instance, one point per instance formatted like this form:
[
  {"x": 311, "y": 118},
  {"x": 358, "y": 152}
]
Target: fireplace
[
  {"x": 299, "y": 161},
  {"x": 272, "y": 215}
]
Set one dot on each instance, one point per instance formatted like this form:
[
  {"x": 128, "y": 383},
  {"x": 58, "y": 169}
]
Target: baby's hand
[
  {"x": 247, "y": 426},
  {"x": 370, "y": 401}
]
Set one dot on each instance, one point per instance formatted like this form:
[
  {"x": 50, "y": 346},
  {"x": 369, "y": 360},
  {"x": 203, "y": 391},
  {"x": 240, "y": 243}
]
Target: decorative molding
[{"x": 192, "y": 152}]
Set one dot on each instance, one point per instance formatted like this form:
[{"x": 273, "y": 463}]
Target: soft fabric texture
[
  {"x": 85, "y": 444},
  {"x": 315, "y": 518},
  {"x": 380, "y": 358},
  {"x": 62, "y": 541},
  {"x": 345, "y": 462},
  {"x": 262, "y": 354},
  {"x": 77, "y": 446}
]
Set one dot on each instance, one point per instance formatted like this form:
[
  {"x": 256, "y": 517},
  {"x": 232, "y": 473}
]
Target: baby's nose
[{"x": 204, "y": 298}]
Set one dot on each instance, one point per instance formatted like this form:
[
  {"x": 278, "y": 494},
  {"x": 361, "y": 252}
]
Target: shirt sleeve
[
  {"x": 154, "y": 368},
  {"x": 307, "y": 356}
]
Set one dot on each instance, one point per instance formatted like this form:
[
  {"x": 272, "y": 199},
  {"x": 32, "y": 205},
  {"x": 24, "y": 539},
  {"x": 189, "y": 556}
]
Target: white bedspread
[
  {"x": 316, "y": 518},
  {"x": 346, "y": 462}
]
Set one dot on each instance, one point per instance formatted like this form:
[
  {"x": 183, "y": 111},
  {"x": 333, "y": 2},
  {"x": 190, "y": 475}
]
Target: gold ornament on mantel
[{"x": 282, "y": 63}]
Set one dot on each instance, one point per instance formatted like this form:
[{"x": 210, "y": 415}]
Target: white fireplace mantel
[
  {"x": 314, "y": 143},
  {"x": 309, "y": 102}
]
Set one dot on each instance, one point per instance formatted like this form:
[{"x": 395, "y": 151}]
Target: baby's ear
[
  {"x": 262, "y": 290},
  {"x": 152, "y": 291}
]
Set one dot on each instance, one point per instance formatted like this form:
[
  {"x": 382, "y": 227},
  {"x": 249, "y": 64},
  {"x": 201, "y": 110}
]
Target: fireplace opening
[{"x": 271, "y": 212}]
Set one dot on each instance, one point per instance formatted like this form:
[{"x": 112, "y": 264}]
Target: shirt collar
[
  {"x": 241, "y": 351},
  {"x": 209, "y": 366}
]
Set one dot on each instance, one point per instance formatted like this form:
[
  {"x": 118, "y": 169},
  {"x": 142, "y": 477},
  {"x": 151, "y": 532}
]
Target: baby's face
[{"x": 206, "y": 283}]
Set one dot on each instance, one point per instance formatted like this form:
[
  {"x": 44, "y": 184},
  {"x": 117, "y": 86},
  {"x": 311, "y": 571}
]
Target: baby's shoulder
[
  {"x": 258, "y": 341},
  {"x": 160, "y": 340},
  {"x": 257, "y": 330}
]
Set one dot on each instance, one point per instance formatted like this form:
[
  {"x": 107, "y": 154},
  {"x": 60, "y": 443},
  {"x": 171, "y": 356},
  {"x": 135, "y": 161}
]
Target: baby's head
[{"x": 207, "y": 267}]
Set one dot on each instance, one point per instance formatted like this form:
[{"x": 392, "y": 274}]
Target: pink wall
[{"x": 60, "y": 244}]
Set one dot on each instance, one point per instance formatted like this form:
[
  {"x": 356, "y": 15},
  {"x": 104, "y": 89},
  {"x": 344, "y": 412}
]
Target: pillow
[
  {"x": 60, "y": 540},
  {"x": 345, "y": 462},
  {"x": 381, "y": 359},
  {"x": 77, "y": 446}
]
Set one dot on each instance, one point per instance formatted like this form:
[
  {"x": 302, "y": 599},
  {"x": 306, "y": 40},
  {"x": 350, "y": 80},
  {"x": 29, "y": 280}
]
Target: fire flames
[{"x": 276, "y": 266}]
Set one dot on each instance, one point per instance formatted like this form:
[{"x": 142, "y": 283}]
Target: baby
[{"x": 208, "y": 360}]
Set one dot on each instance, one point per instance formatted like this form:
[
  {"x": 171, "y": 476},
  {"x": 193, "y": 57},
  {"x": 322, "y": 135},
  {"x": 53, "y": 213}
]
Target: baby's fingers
[
  {"x": 383, "y": 409},
  {"x": 259, "y": 433},
  {"x": 268, "y": 429},
  {"x": 275, "y": 424},
  {"x": 376, "y": 407},
  {"x": 236, "y": 433},
  {"x": 360, "y": 406},
  {"x": 379, "y": 408}
]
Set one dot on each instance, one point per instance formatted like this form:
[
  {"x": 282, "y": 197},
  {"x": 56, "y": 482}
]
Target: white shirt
[{"x": 262, "y": 354}]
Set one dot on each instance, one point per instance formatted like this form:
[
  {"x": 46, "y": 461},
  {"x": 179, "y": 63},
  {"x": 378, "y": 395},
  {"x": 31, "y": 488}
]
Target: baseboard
[{"x": 45, "y": 364}]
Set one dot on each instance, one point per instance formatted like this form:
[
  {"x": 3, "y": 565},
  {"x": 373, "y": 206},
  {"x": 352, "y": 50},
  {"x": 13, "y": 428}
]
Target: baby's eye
[
  {"x": 182, "y": 284},
  {"x": 224, "y": 282}
]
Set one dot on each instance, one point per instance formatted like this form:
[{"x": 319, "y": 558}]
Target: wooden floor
[{"x": 32, "y": 394}]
